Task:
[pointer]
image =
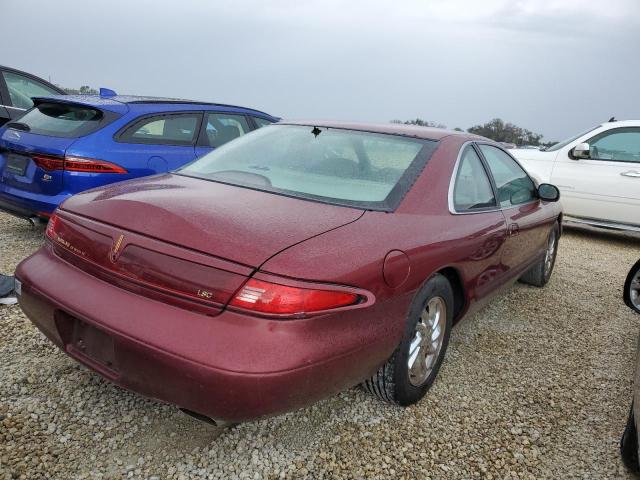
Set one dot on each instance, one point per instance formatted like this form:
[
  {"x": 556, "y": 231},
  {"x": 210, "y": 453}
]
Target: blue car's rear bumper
[{"x": 27, "y": 204}]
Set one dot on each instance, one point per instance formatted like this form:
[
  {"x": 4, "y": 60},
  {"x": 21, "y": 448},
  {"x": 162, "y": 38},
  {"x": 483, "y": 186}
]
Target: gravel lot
[{"x": 537, "y": 385}]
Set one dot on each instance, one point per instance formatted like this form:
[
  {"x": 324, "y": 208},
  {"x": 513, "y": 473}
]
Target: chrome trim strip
[{"x": 14, "y": 108}]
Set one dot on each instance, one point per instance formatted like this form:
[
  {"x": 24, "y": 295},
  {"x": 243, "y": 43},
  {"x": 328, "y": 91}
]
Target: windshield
[
  {"x": 345, "y": 167},
  {"x": 558, "y": 146}
]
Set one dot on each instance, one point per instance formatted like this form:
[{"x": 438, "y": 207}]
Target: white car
[{"x": 597, "y": 172}]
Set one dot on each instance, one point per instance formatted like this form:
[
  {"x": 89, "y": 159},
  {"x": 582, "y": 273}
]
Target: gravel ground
[{"x": 537, "y": 385}]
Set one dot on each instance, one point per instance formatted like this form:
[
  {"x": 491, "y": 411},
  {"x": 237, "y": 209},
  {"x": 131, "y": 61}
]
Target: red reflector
[
  {"x": 52, "y": 226},
  {"x": 272, "y": 298},
  {"x": 76, "y": 164}
]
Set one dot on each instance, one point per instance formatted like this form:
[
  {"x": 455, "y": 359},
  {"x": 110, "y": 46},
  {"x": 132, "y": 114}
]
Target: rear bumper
[
  {"x": 229, "y": 367},
  {"x": 27, "y": 204}
]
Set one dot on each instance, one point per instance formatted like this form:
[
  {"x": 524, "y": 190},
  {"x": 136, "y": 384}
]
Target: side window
[
  {"x": 163, "y": 130},
  {"x": 620, "y": 145},
  {"x": 261, "y": 122},
  {"x": 472, "y": 188},
  {"x": 22, "y": 88},
  {"x": 221, "y": 128},
  {"x": 513, "y": 184}
]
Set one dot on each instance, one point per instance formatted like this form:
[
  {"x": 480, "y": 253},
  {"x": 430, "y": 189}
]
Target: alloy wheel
[
  {"x": 427, "y": 341},
  {"x": 634, "y": 290},
  {"x": 550, "y": 253}
]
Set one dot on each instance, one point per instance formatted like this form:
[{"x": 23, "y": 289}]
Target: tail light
[
  {"x": 48, "y": 163},
  {"x": 76, "y": 164},
  {"x": 275, "y": 299},
  {"x": 52, "y": 227}
]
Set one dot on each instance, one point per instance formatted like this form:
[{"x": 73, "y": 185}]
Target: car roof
[
  {"x": 621, "y": 123},
  {"x": 116, "y": 102},
  {"x": 414, "y": 131}
]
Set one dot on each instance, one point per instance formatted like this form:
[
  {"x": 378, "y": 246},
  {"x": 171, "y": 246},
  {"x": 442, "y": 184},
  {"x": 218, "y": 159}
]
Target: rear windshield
[
  {"x": 62, "y": 119},
  {"x": 345, "y": 167}
]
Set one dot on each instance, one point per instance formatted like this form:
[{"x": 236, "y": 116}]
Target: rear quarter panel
[{"x": 424, "y": 229}]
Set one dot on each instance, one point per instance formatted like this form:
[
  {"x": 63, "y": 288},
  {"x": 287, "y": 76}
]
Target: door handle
[
  {"x": 514, "y": 229},
  {"x": 631, "y": 173}
]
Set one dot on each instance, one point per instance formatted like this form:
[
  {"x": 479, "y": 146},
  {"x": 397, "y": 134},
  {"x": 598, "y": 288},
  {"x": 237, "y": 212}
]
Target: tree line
[
  {"x": 83, "y": 90},
  {"x": 496, "y": 129}
]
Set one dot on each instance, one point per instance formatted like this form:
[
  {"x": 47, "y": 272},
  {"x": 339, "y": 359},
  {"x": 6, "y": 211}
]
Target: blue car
[{"x": 66, "y": 144}]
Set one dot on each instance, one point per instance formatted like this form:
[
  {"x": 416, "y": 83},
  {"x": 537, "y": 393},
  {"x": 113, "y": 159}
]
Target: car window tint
[
  {"x": 22, "y": 88},
  {"x": 513, "y": 184},
  {"x": 472, "y": 189},
  {"x": 261, "y": 122},
  {"x": 223, "y": 127},
  {"x": 621, "y": 145},
  {"x": 163, "y": 130},
  {"x": 61, "y": 119}
]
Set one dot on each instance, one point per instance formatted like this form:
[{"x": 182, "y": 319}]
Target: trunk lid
[
  {"x": 48, "y": 130},
  {"x": 17, "y": 168},
  {"x": 145, "y": 266},
  {"x": 232, "y": 223}
]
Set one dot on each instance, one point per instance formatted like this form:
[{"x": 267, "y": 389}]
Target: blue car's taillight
[{"x": 76, "y": 164}]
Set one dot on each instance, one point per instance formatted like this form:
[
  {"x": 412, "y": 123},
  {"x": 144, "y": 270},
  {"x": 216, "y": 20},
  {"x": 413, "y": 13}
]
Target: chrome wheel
[
  {"x": 550, "y": 254},
  {"x": 427, "y": 341},
  {"x": 634, "y": 290}
]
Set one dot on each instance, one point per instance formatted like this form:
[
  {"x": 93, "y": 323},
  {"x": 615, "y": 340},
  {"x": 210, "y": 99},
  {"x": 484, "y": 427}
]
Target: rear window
[
  {"x": 63, "y": 119},
  {"x": 340, "y": 166}
]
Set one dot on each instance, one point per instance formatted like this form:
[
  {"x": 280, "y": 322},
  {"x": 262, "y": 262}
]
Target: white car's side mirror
[{"x": 582, "y": 150}]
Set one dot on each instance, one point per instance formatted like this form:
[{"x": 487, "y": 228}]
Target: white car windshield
[{"x": 559, "y": 145}]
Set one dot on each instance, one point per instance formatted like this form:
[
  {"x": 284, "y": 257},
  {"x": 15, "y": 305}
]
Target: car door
[
  {"x": 158, "y": 142},
  {"x": 528, "y": 223},
  {"x": 472, "y": 200},
  {"x": 605, "y": 186},
  {"x": 219, "y": 128},
  {"x": 18, "y": 90}
]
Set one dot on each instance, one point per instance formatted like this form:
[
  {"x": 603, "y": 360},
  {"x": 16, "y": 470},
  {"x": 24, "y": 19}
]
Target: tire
[
  {"x": 540, "y": 273},
  {"x": 629, "y": 444},
  {"x": 395, "y": 382}
]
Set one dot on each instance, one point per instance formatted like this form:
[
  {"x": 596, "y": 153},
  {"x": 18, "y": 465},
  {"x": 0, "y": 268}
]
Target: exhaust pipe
[
  {"x": 34, "y": 221},
  {"x": 204, "y": 418}
]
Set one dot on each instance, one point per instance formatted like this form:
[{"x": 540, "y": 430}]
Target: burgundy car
[{"x": 290, "y": 264}]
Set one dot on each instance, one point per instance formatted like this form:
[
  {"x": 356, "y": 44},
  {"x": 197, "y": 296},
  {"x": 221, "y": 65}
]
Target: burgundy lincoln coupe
[{"x": 290, "y": 264}]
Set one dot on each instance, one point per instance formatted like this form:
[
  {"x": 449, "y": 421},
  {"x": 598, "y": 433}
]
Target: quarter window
[
  {"x": 261, "y": 122},
  {"x": 514, "y": 186},
  {"x": 472, "y": 189},
  {"x": 223, "y": 127},
  {"x": 163, "y": 130},
  {"x": 22, "y": 88},
  {"x": 619, "y": 145}
]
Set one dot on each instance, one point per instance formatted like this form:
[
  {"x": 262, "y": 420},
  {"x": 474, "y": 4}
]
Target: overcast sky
[{"x": 553, "y": 66}]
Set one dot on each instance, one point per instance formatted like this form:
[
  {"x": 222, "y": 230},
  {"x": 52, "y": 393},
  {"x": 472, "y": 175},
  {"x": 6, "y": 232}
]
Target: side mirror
[
  {"x": 548, "y": 192},
  {"x": 582, "y": 150},
  {"x": 632, "y": 288}
]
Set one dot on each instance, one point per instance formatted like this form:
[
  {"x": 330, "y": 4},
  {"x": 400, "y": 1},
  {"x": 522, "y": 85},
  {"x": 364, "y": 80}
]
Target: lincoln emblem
[{"x": 115, "y": 250}]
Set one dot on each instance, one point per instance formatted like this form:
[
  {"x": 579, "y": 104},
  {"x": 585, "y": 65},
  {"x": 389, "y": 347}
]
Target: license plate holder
[
  {"x": 93, "y": 345},
  {"x": 17, "y": 164}
]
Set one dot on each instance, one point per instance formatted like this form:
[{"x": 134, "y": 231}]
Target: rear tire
[
  {"x": 409, "y": 373},
  {"x": 629, "y": 444},
  {"x": 540, "y": 273}
]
